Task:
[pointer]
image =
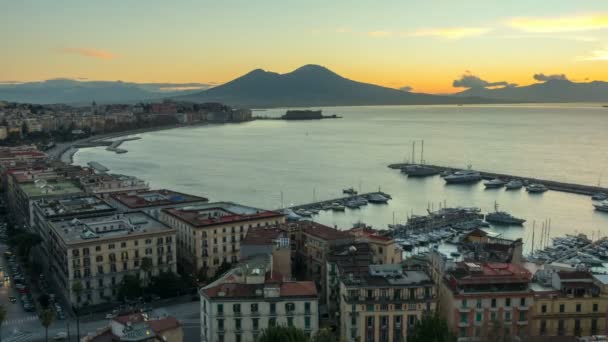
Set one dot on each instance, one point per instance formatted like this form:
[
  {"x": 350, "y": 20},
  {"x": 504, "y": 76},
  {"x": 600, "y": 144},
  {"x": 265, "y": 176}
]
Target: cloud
[
  {"x": 575, "y": 23},
  {"x": 469, "y": 80},
  {"x": 596, "y": 55},
  {"x": 93, "y": 53},
  {"x": 406, "y": 88},
  {"x": 379, "y": 34},
  {"x": 451, "y": 32},
  {"x": 543, "y": 78}
]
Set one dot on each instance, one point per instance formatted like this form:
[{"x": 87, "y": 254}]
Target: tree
[
  {"x": 130, "y": 287},
  {"x": 201, "y": 277},
  {"x": 25, "y": 242},
  {"x": 44, "y": 300},
  {"x": 146, "y": 266},
  {"x": 282, "y": 334},
  {"x": 46, "y": 318},
  {"x": 2, "y": 318},
  {"x": 431, "y": 328},
  {"x": 324, "y": 335},
  {"x": 224, "y": 267},
  {"x": 77, "y": 288},
  {"x": 167, "y": 284}
]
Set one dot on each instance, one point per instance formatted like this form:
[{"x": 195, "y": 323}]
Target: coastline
[{"x": 65, "y": 151}]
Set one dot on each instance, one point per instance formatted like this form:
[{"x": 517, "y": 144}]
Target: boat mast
[
  {"x": 532, "y": 252},
  {"x": 414, "y": 152},
  {"x": 422, "y": 153}
]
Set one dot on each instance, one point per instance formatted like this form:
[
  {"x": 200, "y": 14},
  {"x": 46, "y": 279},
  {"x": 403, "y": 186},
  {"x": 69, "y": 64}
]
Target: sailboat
[{"x": 419, "y": 170}]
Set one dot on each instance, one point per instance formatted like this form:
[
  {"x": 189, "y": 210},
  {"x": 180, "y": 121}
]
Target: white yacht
[
  {"x": 514, "y": 184},
  {"x": 494, "y": 183},
  {"x": 536, "y": 188},
  {"x": 463, "y": 176},
  {"x": 600, "y": 196},
  {"x": 377, "y": 198},
  {"x": 602, "y": 206}
]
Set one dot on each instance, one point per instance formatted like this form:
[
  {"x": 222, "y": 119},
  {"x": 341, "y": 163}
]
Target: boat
[
  {"x": 602, "y": 206},
  {"x": 352, "y": 204},
  {"x": 418, "y": 170},
  {"x": 514, "y": 184},
  {"x": 407, "y": 246},
  {"x": 494, "y": 183},
  {"x": 337, "y": 206},
  {"x": 349, "y": 191},
  {"x": 536, "y": 188},
  {"x": 463, "y": 176},
  {"x": 377, "y": 198},
  {"x": 445, "y": 174},
  {"x": 361, "y": 201},
  {"x": 502, "y": 217},
  {"x": 600, "y": 196},
  {"x": 303, "y": 212}
]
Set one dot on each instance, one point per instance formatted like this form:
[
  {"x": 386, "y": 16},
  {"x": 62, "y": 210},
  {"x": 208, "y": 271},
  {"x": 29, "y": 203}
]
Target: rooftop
[
  {"x": 87, "y": 229},
  {"x": 262, "y": 236},
  {"x": 290, "y": 289},
  {"x": 82, "y": 205},
  {"x": 323, "y": 232},
  {"x": 352, "y": 258},
  {"x": 155, "y": 198},
  {"x": 49, "y": 188},
  {"x": 211, "y": 214},
  {"x": 387, "y": 275}
]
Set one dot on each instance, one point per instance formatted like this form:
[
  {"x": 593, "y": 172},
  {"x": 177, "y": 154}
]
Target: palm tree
[
  {"x": 2, "y": 318},
  {"x": 146, "y": 266},
  {"x": 46, "y": 318},
  {"x": 77, "y": 288}
]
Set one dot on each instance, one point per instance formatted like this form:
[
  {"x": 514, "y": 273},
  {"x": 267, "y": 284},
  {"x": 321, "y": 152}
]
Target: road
[{"x": 15, "y": 330}]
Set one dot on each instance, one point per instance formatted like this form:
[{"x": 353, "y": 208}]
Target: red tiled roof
[
  {"x": 574, "y": 275},
  {"x": 298, "y": 289},
  {"x": 324, "y": 232},
  {"x": 495, "y": 273},
  {"x": 261, "y": 235}
]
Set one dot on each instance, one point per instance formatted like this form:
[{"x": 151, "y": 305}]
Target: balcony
[
  {"x": 464, "y": 309},
  {"x": 255, "y": 313},
  {"x": 220, "y": 314}
]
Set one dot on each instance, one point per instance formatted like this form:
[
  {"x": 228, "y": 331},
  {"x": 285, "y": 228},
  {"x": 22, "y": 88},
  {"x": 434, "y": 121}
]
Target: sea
[{"x": 274, "y": 163}]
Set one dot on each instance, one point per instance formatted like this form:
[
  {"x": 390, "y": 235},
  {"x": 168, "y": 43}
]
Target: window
[
  {"x": 522, "y": 302},
  {"x": 594, "y": 307},
  {"x": 307, "y": 308},
  {"x": 398, "y": 306},
  {"x": 594, "y": 326},
  {"x": 478, "y": 317},
  {"x": 543, "y": 327},
  {"x": 507, "y": 316},
  {"x": 220, "y": 309},
  {"x": 543, "y": 308},
  {"x": 577, "y": 327},
  {"x": 254, "y": 308},
  {"x": 236, "y": 308},
  {"x": 507, "y": 302},
  {"x": 272, "y": 322},
  {"x": 99, "y": 258},
  {"x": 237, "y": 324},
  {"x": 463, "y": 318},
  {"x": 493, "y": 315},
  {"x": 111, "y": 246},
  {"x": 306, "y": 322},
  {"x": 370, "y": 294},
  {"x": 97, "y": 248},
  {"x": 522, "y": 316},
  {"x": 578, "y": 308},
  {"x": 463, "y": 332},
  {"x": 369, "y": 307},
  {"x": 493, "y": 304},
  {"x": 290, "y": 307},
  {"x": 478, "y": 305},
  {"x": 384, "y": 293},
  {"x": 383, "y": 307},
  {"x": 562, "y": 308},
  {"x": 464, "y": 303},
  {"x": 255, "y": 323},
  {"x": 561, "y": 327},
  {"x": 290, "y": 321},
  {"x": 238, "y": 337},
  {"x": 273, "y": 308},
  {"x": 220, "y": 324},
  {"x": 123, "y": 244},
  {"x": 397, "y": 294}
]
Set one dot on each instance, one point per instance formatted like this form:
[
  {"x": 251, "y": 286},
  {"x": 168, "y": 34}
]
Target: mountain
[
  {"x": 312, "y": 85},
  {"x": 78, "y": 92},
  {"x": 549, "y": 91}
]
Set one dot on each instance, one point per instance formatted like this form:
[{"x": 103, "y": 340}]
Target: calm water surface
[{"x": 254, "y": 162}]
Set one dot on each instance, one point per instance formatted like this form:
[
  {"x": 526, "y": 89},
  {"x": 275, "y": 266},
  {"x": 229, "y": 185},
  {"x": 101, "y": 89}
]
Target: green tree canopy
[
  {"x": 431, "y": 328},
  {"x": 25, "y": 242},
  {"x": 167, "y": 284},
  {"x": 130, "y": 287},
  {"x": 324, "y": 335},
  {"x": 282, "y": 334}
]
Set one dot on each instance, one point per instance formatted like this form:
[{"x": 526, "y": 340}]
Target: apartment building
[
  {"x": 104, "y": 184},
  {"x": 210, "y": 234},
  {"x": 251, "y": 298},
  {"x": 153, "y": 201},
  {"x": 384, "y": 248},
  {"x": 482, "y": 299},
  {"x": 384, "y": 304},
  {"x": 270, "y": 241},
  {"x": 98, "y": 250},
  {"x": 571, "y": 303}
]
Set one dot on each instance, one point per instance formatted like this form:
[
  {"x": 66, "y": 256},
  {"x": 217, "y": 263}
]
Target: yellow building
[
  {"x": 569, "y": 304},
  {"x": 384, "y": 248},
  {"x": 384, "y": 304},
  {"x": 210, "y": 234}
]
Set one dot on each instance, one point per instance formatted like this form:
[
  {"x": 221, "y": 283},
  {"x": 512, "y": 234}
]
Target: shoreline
[{"x": 66, "y": 151}]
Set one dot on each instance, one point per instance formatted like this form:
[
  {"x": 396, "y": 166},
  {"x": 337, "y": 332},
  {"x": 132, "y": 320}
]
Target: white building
[{"x": 250, "y": 298}]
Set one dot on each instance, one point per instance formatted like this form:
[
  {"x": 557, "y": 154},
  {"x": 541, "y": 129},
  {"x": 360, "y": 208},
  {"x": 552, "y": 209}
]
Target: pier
[
  {"x": 320, "y": 204},
  {"x": 550, "y": 184},
  {"x": 98, "y": 167}
]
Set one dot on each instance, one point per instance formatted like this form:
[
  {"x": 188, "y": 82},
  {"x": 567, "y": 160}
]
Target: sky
[{"x": 422, "y": 45}]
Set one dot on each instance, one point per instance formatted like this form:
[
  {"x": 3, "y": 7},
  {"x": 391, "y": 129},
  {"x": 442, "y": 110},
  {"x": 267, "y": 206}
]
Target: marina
[
  {"x": 352, "y": 201},
  {"x": 534, "y": 185}
]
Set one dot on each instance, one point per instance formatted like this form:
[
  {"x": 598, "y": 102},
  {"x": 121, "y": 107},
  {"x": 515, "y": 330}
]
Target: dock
[
  {"x": 320, "y": 204},
  {"x": 550, "y": 184},
  {"x": 98, "y": 167}
]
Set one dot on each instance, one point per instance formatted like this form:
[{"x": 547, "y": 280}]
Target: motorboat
[
  {"x": 304, "y": 213},
  {"x": 536, "y": 188},
  {"x": 514, "y": 184},
  {"x": 494, "y": 183},
  {"x": 337, "y": 206},
  {"x": 377, "y": 198},
  {"x": 361, "y": 201},
  {"x": 463, "y": 176},
  {"x": 407, "y": 246},
  {"x": 445, "y": 174},
  {"x": 352, "y": 204},
  {"x": 349, "y": 191},
  {"x": 600, "y": 196},
  {"x": 418, "y": 170},
  {"x": 502, "y": 217},
  {"x": 602, "y": 206}
]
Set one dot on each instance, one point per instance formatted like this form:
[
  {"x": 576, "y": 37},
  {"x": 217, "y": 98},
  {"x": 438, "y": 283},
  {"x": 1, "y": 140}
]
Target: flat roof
[
  {"x": 81, "y": 205},
  {"x": 291, "y": 289},
  {"x": 262, "y": 235},
  {"x": 210, "y": 214},
  {"x": 103, "y": 227},
  {"x": 154, "y": 198},
  {"x": 388, "y": 275},
  {"x": 324, "y": 232},
  {"x": 49, "y": 188}
]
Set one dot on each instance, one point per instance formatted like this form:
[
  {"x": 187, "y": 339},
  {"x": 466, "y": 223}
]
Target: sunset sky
[{"x": 425, "y": 45}]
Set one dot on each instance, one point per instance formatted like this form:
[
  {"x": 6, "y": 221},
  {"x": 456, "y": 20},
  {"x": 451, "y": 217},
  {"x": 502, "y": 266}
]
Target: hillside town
[
  {"x": 82, "y": 242},
  {"x": 58, "y": 122}
]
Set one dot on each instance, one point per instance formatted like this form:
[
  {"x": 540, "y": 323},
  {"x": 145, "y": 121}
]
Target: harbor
[{"x": 353, "y": 200}]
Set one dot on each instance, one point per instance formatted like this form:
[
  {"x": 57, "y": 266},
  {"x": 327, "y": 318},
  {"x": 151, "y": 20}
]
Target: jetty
[
  {"x": 98, "y": 167},
  {"x": 344, "y": 199},
  {"x": 580, "y": 189}
]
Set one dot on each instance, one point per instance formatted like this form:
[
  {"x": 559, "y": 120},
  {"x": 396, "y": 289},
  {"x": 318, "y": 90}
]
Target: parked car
[
  {"x": 60, "y": 336},
  {"x": 12, "y": 299}
]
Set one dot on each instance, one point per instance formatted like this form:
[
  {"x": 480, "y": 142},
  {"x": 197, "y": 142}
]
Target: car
[
  {"x": 12, "y": 299},
  {"x": 60, "y": 336}
]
